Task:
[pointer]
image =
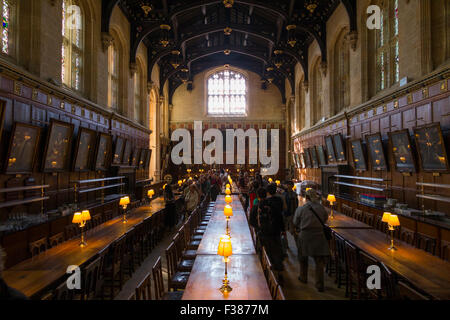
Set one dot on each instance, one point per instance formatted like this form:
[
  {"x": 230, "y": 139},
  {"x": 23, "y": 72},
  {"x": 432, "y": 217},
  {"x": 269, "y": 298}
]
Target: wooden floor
[{"x": 293, "y": 289}]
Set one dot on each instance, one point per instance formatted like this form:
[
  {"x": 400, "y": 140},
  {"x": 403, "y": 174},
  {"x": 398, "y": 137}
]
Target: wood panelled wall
[
  {"x": 424, "y": 103},
  {"x": 244, "y": 125},
  {"x": 30, "y": 101}
]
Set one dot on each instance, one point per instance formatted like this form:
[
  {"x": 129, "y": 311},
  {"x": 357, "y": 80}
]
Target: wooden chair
[
  {"x": 158, "y": 282},
  {"x": 89, "y": 279},
  {"x": 100, "y": 282},
  {"x": 266, "y": 265},
  {"x": 184, "y": 265},
  {"x": 62, "y": 292},
  {"x": 114, "y": 267},
  {"x": 445, "y": 250},
  {"x": 341, "y": 262},
  {"x": 71, "y": 231},
  {"x": 347, "y": 210},
  {"x": 366, "y": 260},
  {"x": 273, "y": 284},
  {"x": 353, "y": 270},
  {"x": 97, "y": 220},
  {"x": 407, "y": 292},
  {"x": 378, "y": 224},
  {"x": 56, "y": 239},
  {"x": 388, "y": 283},
  {"x": 38, "y": 246},
  {"x": 369, "y": 218},
  {"x": 406, "y": 235},
  {"x": 358, "y": 214},
  {"x": 176, "y": 279},
  {"x": 279, "y": 294},
  {"x": 426, "y": 243},
  {"x": 143, "y": 289}
]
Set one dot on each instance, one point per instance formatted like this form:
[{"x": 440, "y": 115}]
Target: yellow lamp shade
[
  {"x": 227, "y": 191},
  {"x": 228, "y": 186},
  {"x": 150, "y": 193},
  {"x": 184, "y": 180},
  {"x": 228, "y": 199},
  {"x": 393, "y": 220},
  {"x": 225, "y": 249},
  {"x": 386, "y": 216},
  {"x": 77, "y": 218},
  {"x": 294, "y": 188},
  {"x": 270, "y": 180},
  {"x": 331, "y": 198},
  {"x": 190, "y": 178},
  {"x": 180, "y": 182},
  {"x": 124, "y": 201},
  {"x": 86, "y": 215},
  {"x": 307, "y": 189},
  {"x": 164, "y": 186},
  {"x": 228, "y": 211}
]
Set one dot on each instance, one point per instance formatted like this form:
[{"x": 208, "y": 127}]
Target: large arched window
[
  {"x": 387, "y": 47},
  {"x": 7, "y": 8},
  {"x": 113, "y": 77},
  {"x": 72, "y": 45},
  {"x": 316, "y": 96},
  {"x": 440, "y": 34},
  {"x": 227, "y": 94},
  {"x": 341, "y": 73}
]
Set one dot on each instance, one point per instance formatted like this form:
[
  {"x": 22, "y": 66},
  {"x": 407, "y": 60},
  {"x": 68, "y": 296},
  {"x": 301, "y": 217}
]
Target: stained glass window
[
  {"x": 227, "y": 92},
  {"x": 72, "y": 45},
  {"x": 113, "y": 77},
  {"x": 388, "y": 71},
  {"x": 6, "y": 9}
]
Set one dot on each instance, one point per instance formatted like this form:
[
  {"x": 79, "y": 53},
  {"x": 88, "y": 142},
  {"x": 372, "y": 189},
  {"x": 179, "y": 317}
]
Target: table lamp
[
  {"x": 228, "y": 192},
  {"x": 331, "y": 199},
  {"x": 294, "y": 188},
  {"x": 180, "y": 183},
  {"x": 270, "y": 180},
  {"x": 278, "y": 182},
  {"x": 124, "y": 202},
  {"x": 225, "y": 250},
  {"x": 228, "y": 199},
  {"x": 228, "y": 212},
  {"x": 81, "y": 218},
  {"x": 227, "y": 186},
  {"x": 150, "y": 194},
  {"x": 393, "y": 222}
]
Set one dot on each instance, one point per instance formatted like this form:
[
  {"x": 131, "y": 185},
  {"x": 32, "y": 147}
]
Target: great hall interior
[{"x": 102, "y": 202}]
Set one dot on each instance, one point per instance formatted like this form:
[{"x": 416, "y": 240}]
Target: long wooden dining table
[
  {"x": 33, "y": 276},
  {"x": 244, "y": 269}
]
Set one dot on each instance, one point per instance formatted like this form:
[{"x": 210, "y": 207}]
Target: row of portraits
[
  {"x": 92, "y": 150},
  {"x": 429, "y": 148}
]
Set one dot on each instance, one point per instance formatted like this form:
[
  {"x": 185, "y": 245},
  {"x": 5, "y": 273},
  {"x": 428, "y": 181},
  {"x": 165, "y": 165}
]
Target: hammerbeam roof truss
[{"x": 258, "y": 38}]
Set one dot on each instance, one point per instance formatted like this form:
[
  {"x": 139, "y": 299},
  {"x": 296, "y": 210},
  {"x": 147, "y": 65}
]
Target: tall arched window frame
[
  {"x": 387, "y": 46},
  {"x": 341, "y": 73},
  {"x": 8, "y": 10},
  {"x": 113, "y": 77},
  {"x": 317, "y": 99},
  {"x": 137, "y": 96},
  {"x": 72, "y": 45},
  {"x": 227, "y": 94}
]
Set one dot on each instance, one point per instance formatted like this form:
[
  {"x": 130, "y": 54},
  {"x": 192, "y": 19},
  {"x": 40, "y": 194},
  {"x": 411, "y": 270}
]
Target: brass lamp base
[
  {"x": 83, "y": 244},
  {"x": 225, "y": 288},
  {"x": 392, "y": 248}
]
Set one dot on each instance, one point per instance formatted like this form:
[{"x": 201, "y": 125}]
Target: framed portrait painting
[
  {"x": 431, "y": 148},
  {"x": 136, "y": 157},
  {"x": 22, "y": 149},
  {"x": 321, "y": 155},
  {"x": 359, "y": 160},
  {"x": 103, "y": 154},
  {"x": 58, "y": 147},
  {"x": 118, "y": 151},
  {"x": 127, "y": 153},
  {"x": 376, "y": 152},
  {"x": 330, "y": 149},
  {"x": 400, "y": 144},
  {"x": 142, "y": 158},
  {"x": 84, "y": 150}
]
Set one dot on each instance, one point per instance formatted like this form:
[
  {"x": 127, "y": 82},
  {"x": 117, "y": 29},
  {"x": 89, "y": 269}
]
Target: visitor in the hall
[
  {"x": 311, "y": 241},
  {"x": 244, "y": 190},
  {"x": 270, "y": 222},
  {"x": 291, "y": 199},
  {"x": 254, "y": 186},
  {"x": 171, "y": 213},
  {"x": 6, "y": 292},
  {"x": 192, "y": 198}
]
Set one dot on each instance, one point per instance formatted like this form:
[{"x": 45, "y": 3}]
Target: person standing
[
  {"x": 6, "y": 292},
  {"x": 244, "y": 190},
  {"x": 170, "y": 219},
  {"x": 311, "y": 241}
]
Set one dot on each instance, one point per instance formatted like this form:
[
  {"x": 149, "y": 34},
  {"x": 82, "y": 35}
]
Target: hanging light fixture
[
  {"x": 291, "y": 34},
  {"x": 228, "y": 3},
  {"x": 277, "y": 59},
  {"x": 311, "y": 5},
  {"x": 227, "y": 31},
  {"x": 270, "y": 76},
  {"x": 184, "y": 75},
  {"x": 227, "y": 52},
  {"x": 164, "y": 41},
  {"x": 175, "y": 60},
  {"x": 146, "y": 7}
]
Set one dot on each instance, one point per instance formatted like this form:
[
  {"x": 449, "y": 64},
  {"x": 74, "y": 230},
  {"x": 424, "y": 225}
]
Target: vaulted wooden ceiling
[{"x": 266, "y": 37}]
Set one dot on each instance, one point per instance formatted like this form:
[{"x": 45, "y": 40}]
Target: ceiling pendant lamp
[
  {"x": 227, "y": 52},
  {"x": 311, "y": 5},
  {"x": 228, "y": 3},
  {"x": 270, "y": 76},
  {"x": 227, "y": 31},
  {"x": 146, "y": 7},
  {"x": 277, "y": 61},
  {"x": 184, "y": 74},
  {"x": 291, "y": 34},
  {"x": 175, "y": 59},
  {"x": 164, "y": 41}
]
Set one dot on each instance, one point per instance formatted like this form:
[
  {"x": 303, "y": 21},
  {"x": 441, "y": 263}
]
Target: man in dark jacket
[
  {"x": 311, "y": 241},
  {"x": 6, "y": 292},
  {"x": 270, "y": 232}
]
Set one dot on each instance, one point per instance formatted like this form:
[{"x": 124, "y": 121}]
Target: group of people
[{"x": 274, "y": 211}]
